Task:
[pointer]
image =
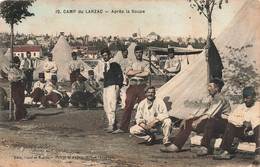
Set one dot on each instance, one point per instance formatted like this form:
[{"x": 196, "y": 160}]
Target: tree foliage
[
  {"x": 239, "y": 72},
  {"x": 14, "y": 11}
]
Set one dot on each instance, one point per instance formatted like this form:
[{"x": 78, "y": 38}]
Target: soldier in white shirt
[
  {"x": 151, "y": 115},
  {"x": 138, "y": 75},
  {"x": 28, "y": 67},
  {"x": 50, "y": 68},
  {"x": 38, "y": 90},
  {"x": 244, "y": 120},
  {"x": 16, "y": 77},
  {"x": 125, "y": 64},
  {"x": 76, "y": 66},
  {"x": 54, "y": 93},
  {"x": 172, "y": 65}
]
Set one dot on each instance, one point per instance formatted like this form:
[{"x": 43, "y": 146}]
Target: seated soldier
[
  {"x": 80, "y": 96},
  {"x": 38, "y": 90},
  {"x": 54, "y": 93},
  {"x": 245, "y": 119},
  {"x": 151, "y": 115},
  {"x": 93, "y": 87}
]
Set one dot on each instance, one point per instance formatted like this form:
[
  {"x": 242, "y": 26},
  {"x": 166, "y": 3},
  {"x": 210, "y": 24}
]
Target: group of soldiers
[
  {"x": 128, "y": 78},
  {"x": 213, "y": 119}
]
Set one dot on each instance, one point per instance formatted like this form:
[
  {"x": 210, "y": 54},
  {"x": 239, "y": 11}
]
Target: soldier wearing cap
[
  {"x": 93, "y": 87},
  {"x": 76, "y": 66},
  {"x": 16, "y": 77},
  {"x": 138, "y": 75},
  {"x": 243, "y": 123},
  {"x": 209, "y": 120},
  {"x": 38, "y": 90},
  {"x": 50, "y": 68},
  {"x": 54, "y": 93},
  {"x": 172, "y": 65},
  {"x": 80, "y": 95}
]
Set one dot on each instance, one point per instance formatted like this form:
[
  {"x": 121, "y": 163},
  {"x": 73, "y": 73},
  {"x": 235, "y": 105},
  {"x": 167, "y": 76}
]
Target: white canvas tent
[
  {"x": 61, "y": 56},
  {"x": 131, "y": 54},
  {"x": 4, "y": 63},
  {"x": 186, "y": 90}
]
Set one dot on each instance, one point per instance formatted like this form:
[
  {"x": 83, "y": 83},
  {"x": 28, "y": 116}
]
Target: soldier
[
  {"x": 28, "y": 67},
  {"x": 38, "y": 89},
  {"x": 16, "y": 77},
  {"x": 50, "y": 68},
  {"x": 54, "y": 93},
  {"x": 125, "y": 64},
  {"x": 75, "y": 66},
  {"x": 172, "y": 65},
  {"x": 113, "y": 79},
  {"x": 138, "y": 75}
]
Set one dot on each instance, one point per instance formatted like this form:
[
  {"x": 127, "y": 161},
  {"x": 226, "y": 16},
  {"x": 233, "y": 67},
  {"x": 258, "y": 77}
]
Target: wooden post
[{"x": 150, "y": 67}]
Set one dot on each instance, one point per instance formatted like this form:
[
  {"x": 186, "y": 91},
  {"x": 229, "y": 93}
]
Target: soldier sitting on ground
[
  {"x": 55, "y": 94},
  {"x": 80, "y": 96},
  {"x": 38, "y": 89}
]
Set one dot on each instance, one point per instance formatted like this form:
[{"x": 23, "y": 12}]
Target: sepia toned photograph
[{"x": 117, "y": 83}]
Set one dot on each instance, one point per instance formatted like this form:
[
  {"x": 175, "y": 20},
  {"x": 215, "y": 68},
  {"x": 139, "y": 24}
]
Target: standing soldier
[
  {"x": 138, "y": 75},
  {"x": 125, "y": 64},
  {"x": 75, "y": 66},
  {"x": 113, "y": 79},
  {"x": 172, "y": 65},
  {"x": 16, "y": 77},
  {"x": 50, "y": 68},
  {"x": 28, "y": 68}
]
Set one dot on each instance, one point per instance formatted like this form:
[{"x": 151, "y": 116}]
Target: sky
[{"x": 164, "y": 17}]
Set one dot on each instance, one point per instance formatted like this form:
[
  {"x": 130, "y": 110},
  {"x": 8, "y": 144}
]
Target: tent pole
[{"x": 150, "y": 76}]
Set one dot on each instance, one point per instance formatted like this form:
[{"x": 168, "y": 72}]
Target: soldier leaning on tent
[
  {"x": 16, "y": 77},
  {"x": 75, "y": 66},
  {"x": 50, "y": 68},
  {"x": 210, "y": 121},
  {"x": 28, "y": 67},
  {"x": 172, "y": 65}
]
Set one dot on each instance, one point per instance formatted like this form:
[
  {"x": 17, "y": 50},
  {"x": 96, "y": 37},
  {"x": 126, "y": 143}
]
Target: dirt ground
[{"x": 71, "y": 137}]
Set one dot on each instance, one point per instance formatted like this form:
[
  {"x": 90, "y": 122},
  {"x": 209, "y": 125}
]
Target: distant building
[
  {"x": 152, "y": 37},
  {"x": 31, "y": 42},
  {"x": 91, "y": 54},
  {"x": 20, "y": 51}
]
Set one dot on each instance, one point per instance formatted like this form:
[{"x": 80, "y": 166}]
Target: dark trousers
[
  {"x": 232, "y": 131},
  {"x": 53, "y": 97},
  {"x": 83, "y": 98},
  {"x": 183, "y": 135},
  {"x": 17, "y": 93},
  {"x": 214, "y": 127},
  {"x": 37, "y": 94},
  {"x": 133, "y": 93},
  {"x": 74, "y": 76},
  {"x": 28, "y": 81}
]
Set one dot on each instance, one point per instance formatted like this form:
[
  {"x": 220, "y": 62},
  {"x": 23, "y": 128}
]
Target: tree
[
  {"x": 206, "y": 7},
  {"x": 239, "y": 72},
  {"x": 13, "y": 12}
]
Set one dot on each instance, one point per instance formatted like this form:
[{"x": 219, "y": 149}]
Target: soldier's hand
[{"x": 183, "y": 124}]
